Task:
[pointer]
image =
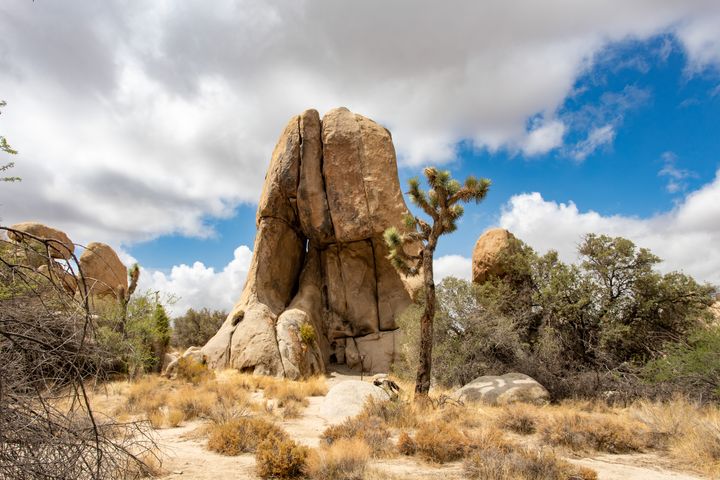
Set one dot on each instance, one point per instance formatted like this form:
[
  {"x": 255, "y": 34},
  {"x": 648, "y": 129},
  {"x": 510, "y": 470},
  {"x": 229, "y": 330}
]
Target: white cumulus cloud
[
  {"x": 686, "y": 237},
  {"x": 197, "y": 286}
]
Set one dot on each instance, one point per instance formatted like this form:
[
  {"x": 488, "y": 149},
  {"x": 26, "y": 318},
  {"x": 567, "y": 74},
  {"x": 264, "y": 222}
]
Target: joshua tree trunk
[{"x": 422, "y": 381}]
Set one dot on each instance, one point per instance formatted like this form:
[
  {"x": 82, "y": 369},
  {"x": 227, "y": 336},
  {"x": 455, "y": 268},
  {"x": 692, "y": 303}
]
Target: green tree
[
  {"x": 196, "y": 327},
  {"x": 442, "y": 204},
  {"x": 5, "y": 147}
]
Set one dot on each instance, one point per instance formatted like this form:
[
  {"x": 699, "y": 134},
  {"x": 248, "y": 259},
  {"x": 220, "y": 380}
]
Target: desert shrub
[
  {"x": 192, "y": 371},
  {"x": 518, "y": 418},
  {"x": 396, "y": 412},
  {"x": 372, "y": 430},
  {"x": 196, "y": 327},
  {"x": 307, "y": 333},
  {"x": 50, "y": 354},
  {"x": 345, "y": 459},
  {"x": 687, "y": 431},
  {"x": 280, "y": 457},
  {"x": 156, "y": 418},
  {"x": 440, "y": 442},
  {"x": 135, "y": 334},
  {"x": 147, "y": 394},
  {"x": 581, "y": 330},
  {"x": 174, "y": 417},
  {"x": 522, "y": 464},
  {"x": 692, "y": 365},
  {"x": 583, "y": 432},
  {"x": 241, "y": 435},
  {"x": 193, "y": 402},
  {"x": 406, "y": 445},
  {"x": 285, "y": 391}
]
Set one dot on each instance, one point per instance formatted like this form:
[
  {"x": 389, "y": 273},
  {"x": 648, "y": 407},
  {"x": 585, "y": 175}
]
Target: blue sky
[{"x": 149, "y": 126}]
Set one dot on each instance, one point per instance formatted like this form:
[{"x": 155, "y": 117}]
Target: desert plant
[
  {"x": 196, "y": 327},
  {"x": 49, "y": 352},
  {"x": 440, "y": 442},
  {"x": 442, "y": 204},
  {"x": 280, "y": 457},
  {"x": 372, "y": 430},
  {"x": 522, "y": 464},
  {"x": 518, "y": 418},
  {"x": 345, "y": 459},
  {"x": 241, "y": 435},
  {"x": 192, "y": 371},
  {"x": 583, "y": 432},
  {"x": 406, "y": 445}
]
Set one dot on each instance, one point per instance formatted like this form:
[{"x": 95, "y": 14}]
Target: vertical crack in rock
[{"x": 318, "y": 260}]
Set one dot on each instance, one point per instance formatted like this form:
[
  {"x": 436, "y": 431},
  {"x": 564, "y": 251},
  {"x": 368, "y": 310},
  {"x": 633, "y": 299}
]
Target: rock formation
[
  {"x": 103, "y": 272},
  {"x": 489, "y": 252},
  {"x": 320, "y": 289}
]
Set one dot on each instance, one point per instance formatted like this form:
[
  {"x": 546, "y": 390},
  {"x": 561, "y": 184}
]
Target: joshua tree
[{"x": 442, "y": 204}]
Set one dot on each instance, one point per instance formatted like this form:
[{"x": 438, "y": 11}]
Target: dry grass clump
[
  {"x": 372, "y": 430},
  {"x": 291, "y": 391},
  {"x": 193, "y": 371},
  {"x": 406, "y": 445},
  {"x": 581, "y": 431},
  {"x": 396, "y": 412},
  {"x": 193, "y": 402},
  {"x": 518, "y": 418},
  {"x": 280, "y": 457},
  {"x": 345, "y": 459},
  {"x": 241, "y": 435},
  {"x": 690, "y": 433},
  {"x": 441, "y": 442},
  {"x": 147, "y": 394},
  {"x": 522, "y": 464}
]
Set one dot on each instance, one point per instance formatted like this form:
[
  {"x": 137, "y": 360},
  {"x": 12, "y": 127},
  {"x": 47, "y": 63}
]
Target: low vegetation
[
  {"x": 610, "y": 327},
  {"x": 241, "y": 435}
]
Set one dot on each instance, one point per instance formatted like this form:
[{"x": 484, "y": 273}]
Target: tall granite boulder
[
  {"x": 103, "y": 272},
  {"x": 319, "y": 283},
  {"x": 490, "y": 252}
]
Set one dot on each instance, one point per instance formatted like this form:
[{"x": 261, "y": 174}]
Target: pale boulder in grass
[
  {"x": 503, "y": 390},
  {"x": 347, "y": 399}
]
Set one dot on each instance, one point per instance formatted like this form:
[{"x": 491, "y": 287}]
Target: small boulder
[
  {"x": 194, "y": 353},
  {"x": 346, "y": 399},
  {"x": 502, "y": 390},
  {"x": 59, "y": 244},
  {"x": 490, "y": 248}
]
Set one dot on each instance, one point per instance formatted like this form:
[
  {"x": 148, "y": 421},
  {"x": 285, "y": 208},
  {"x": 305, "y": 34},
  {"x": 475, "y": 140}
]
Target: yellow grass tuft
[
  {"x": 279, "y": 457},
  {"x": 241, "y": 435},
  {"x": 345, "y": 459}
]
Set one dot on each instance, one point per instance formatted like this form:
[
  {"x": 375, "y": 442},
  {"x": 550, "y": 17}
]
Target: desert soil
[{"x": 186, "y": 457}]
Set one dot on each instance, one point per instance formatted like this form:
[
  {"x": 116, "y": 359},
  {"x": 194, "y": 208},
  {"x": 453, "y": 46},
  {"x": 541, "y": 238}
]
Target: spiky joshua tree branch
[{"x": 442, "y": 203}]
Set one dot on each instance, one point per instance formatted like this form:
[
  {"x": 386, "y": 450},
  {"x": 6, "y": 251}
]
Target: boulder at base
[
  {"x": 502, "y": 390},
  {"x": 346, "y": 399}
]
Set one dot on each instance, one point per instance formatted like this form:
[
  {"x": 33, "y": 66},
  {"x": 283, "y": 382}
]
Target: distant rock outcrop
[
  {"x": 99, "y": 266},
  {"x": 490, "y": 250},
  {"x": 103, "y": 272},
  {"x": 320, "y": 289}
]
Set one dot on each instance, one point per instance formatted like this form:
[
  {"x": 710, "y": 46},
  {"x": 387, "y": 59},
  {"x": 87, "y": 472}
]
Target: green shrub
[{"x": 196, "y": 327}]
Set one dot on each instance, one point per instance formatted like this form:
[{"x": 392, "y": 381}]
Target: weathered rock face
[
  {"x": 319, "y": 258},
  {"x": 59, "y": 245},
  {"x": 502, "y": 390},
  {"x": 103, "y": 272},
  {"x": 489, "y": 251}
]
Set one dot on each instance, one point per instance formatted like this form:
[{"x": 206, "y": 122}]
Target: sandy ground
[{"x": 186, "y": 457}]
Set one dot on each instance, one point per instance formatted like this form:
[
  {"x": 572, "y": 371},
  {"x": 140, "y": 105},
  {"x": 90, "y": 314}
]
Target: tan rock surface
[
  {"x": 103, "y": 272},
  {"x": 330, "y": 192},
  {"x": 59, "y": 245},
  {"x": 488, "y": 252}
]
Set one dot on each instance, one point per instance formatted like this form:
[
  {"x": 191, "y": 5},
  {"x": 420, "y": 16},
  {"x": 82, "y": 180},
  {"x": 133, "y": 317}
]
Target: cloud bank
[{"x": 140, "y": 119}]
